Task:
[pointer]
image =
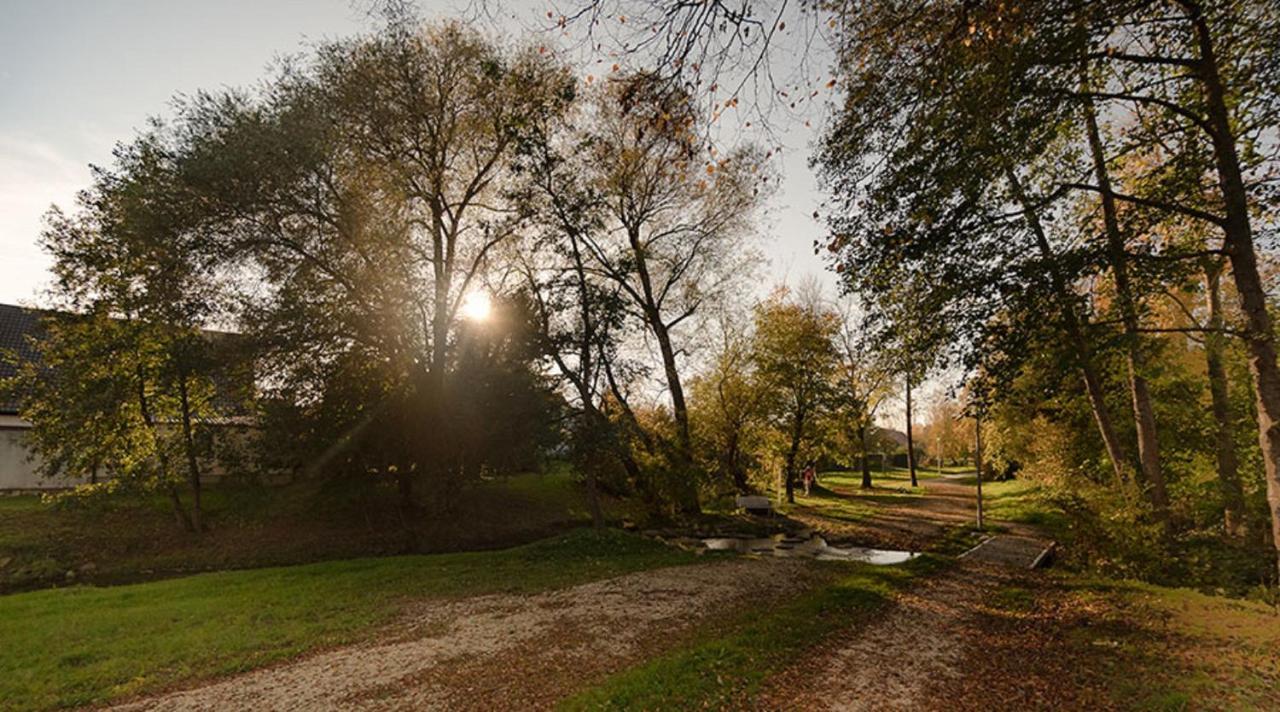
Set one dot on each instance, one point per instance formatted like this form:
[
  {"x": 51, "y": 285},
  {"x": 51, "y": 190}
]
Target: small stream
[{"x": 814, "y": 547}]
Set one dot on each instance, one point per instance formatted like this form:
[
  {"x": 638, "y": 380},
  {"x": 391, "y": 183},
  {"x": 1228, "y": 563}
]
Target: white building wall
[{"x": 16, "y": 472}]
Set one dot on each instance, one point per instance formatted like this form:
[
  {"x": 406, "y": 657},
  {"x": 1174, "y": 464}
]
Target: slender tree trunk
[
  {"x": 688, "y": 486},
  {"x": 179, "y": 512},
  {"x": 1075, "y": 332},
  {"x": 144, "y": 407},
  {"x": 189, "y": 445},
  {"x": 593, "y": 500},
  {"x": 866, "y": 464},
  {"x": 1224, "y": 431},
  {"x": 977, "y": 456},
  {"x": 596, "y": 423},
  {"x": 1144, "y": 414},
  {"x": 911, "y": 444},
  {"x": 1238, "y": 242},
  {"x": 796, "y": 431},
  {"x": 734, "y": 465}
]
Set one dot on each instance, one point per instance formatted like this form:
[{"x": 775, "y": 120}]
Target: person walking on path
[{"x": 809, "y": 476}]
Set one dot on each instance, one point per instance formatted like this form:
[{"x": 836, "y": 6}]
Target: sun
[{"x": 477, "y": 306}]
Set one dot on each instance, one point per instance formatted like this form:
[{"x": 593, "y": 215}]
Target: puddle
[{"x": 814, "y": 547}]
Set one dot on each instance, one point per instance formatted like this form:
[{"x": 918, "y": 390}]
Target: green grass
[
  {"x": 839, "y": 495},
  {"x": 83, "y": 645},
  {"x": 126, "y": 539},
  {"x": 727, "y": 665},
  {"x": 1018, "y": 501},
  {"x": 1164, "y": 648}
]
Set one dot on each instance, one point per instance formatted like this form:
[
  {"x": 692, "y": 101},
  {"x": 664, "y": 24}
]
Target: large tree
[
  {"x": 364, "y": 190},
  {"x": 676, "y": 215},
  {"x": 796, "y": 361},
  {"x": 126, "y": 375}
]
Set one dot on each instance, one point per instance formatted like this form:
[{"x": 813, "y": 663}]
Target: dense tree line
[
  {"x": 339, "y": 218},
  {"x": 1079, "y": 187}
]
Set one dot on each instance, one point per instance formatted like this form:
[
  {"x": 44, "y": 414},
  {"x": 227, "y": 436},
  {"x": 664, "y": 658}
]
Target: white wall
[{"x": 16, "y": 473}]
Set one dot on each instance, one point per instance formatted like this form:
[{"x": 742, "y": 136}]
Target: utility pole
[{"x": 977, "y": 454}]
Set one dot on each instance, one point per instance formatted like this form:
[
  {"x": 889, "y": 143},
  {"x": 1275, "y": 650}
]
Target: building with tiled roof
[{"x": 20, "y": 328}]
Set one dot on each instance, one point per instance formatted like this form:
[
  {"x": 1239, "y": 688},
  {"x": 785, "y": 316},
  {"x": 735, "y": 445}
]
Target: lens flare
[{"x": 477, "y": 306}]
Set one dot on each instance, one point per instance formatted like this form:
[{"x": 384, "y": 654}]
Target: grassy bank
[
  {"x": 1126, "y": 645},
  {"x": 82, "y": 645},
  {"x": 725, "y": 666},
  {"x": 126, "y": 539}
]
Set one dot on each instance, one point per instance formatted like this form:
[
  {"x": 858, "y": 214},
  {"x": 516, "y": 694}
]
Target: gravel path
[
  {"x": 898, "y": 661},
  {"x": 910, "y": 523},
  {"x": 505, "y": 651}
]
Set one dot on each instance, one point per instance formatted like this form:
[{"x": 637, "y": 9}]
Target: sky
[{"x": 79, "y": 76}]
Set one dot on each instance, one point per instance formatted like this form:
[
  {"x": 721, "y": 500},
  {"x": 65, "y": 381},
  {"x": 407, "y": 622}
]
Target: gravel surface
[
  {"x": 897, "y": 661},
  {"x": 505, "y": 651}
]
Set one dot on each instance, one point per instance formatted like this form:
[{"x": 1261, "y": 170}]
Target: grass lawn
[
  {"x": 1196, "y": 647},
  {"x": 82, "y": 645},
  {"x": 128, "y": 539},
  {"x": 1144, "y": 647},
  {"x": 839, "y": 495},
  {"x": 1018, "y": 500},
  {"x": 726, "y": 665}
]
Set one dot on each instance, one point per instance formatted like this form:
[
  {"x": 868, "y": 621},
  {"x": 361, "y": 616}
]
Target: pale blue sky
[{"x": 76, "y": 76}]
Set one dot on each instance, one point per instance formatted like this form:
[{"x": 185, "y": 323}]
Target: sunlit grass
[
  {"x": 84, "y": 645},
  {"x": 1173, "y": 649}
]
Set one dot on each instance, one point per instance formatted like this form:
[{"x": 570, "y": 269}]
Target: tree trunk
[
  {"x": 866, "y": 464},
  {"x": 688, "y": 486},
  {"x": 911, "y": 444},
  {"x": 1224, "y": 432},
  {"x": 144, "y": 408},
  {"x": 733, "y": 464},
  {"x": 593, "y": 500},
  {"x": 977, "y": 456},
  {"x": 1075, "y": 332},
  {"x": 1144, "y": 415},
  {"x": 179, "y": 512},
  {"x": 595, "y": 421},
  {"x": 189, "y": 444},
  {"x": 796, "y": 432},
  {"x": 1238, "y": 243}
]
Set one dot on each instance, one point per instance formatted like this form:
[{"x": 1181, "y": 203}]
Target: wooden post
[{"x": 977, "y": 454}]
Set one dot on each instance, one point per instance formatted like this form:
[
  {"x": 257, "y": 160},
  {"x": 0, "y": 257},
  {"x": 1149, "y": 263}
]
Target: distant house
[
  {"x": 19, "y": 326},
  {"x": 17, "y": 471},
  {"x": 897, "y": 437}
]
